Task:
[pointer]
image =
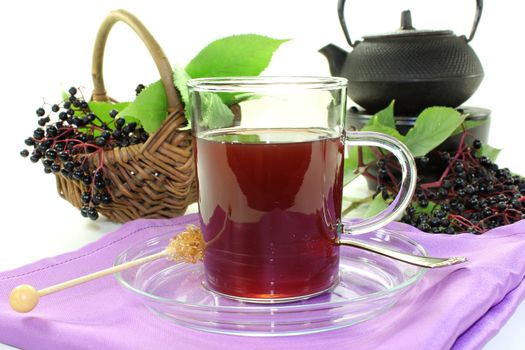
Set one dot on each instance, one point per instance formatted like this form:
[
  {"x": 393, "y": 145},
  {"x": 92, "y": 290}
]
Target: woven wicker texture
[{"x": 151, "y": 180}]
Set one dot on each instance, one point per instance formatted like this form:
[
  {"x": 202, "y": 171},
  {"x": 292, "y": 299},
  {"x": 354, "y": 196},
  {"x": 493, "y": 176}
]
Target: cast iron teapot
[{"x": 417, "y": 68}]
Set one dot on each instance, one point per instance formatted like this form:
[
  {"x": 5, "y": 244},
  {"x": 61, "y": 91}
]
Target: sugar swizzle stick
[{"x": 188, "y": 246}]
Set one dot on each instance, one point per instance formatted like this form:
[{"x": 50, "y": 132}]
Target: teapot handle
[
  {"x": 477, "y": 17},
  {"x": 341, "y": 14}
]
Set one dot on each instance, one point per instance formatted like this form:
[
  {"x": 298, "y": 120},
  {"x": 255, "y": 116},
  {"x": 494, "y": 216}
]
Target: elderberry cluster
[
  {"x": 70, "y": 141},
  {"x": 471, "y": 194}
]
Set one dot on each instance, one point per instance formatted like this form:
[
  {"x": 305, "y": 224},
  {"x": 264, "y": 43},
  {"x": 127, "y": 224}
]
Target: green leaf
[
  {"x": 428, "y": 209},
  {"x": 180, "y": 78},
  {"x": 102, "y": 109},
  {"x": 238, "y": 138},
  {"x": 468, "y": 124},
  {"x": 377, "y": 127},
  {"x": 386, "y": 116},
  {"x": 377, "y": 206},
  {"x": 351, "y": 162},
  {"x": 489, "y": 152},
  {"x": 150, "y": 107},
  {"x": 215, "y": 114},
  {"x": 433, "y": 126},
  {"x": 237, "y": 55},
  {"x": 350, "y": 171}
]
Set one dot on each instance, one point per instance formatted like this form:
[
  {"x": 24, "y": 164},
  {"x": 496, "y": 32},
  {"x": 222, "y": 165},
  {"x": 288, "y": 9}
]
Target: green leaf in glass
[{"x": 377, "y": 206}]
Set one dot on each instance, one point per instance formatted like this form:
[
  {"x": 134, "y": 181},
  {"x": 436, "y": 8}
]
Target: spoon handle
[{"x": 422, "y": 261}]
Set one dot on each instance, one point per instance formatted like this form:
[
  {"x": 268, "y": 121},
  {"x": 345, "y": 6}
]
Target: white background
[{"x": 46, "y": 46}]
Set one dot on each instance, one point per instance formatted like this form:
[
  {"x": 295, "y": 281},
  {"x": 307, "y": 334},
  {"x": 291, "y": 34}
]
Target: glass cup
[{"x": 270, "y": 178}]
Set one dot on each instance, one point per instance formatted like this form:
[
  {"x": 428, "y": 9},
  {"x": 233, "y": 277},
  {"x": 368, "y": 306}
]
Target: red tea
[{"x": 270, "y": 202}]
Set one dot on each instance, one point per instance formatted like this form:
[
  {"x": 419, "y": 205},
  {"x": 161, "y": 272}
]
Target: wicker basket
[{"x": 151, "y": 180}]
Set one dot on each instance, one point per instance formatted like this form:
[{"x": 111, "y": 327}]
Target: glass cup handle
[{"x": 408, "y": 181}]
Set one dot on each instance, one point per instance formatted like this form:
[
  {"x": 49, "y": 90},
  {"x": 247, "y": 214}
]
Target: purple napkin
[{"x": 459, "y": 307}]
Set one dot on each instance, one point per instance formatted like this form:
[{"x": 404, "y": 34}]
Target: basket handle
[{"x": 163, "y": 65}]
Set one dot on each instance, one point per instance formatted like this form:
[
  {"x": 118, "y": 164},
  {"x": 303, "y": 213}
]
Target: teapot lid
[{"x": 407, "y": 30}]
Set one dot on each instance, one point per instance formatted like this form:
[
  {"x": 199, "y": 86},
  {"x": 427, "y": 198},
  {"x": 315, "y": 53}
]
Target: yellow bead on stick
[
  {"x": 188, "y": 246},
  {"x": 23, "y": 298}
]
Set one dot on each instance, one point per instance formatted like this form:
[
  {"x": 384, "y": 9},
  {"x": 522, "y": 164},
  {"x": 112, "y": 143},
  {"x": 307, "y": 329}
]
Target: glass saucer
[{"x": 369, "y": 285}]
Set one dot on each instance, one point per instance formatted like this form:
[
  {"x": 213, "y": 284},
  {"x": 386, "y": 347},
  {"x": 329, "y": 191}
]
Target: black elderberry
[
  {"x": 423, "y": 161},
  {"x": 86, "y": 197},
  {"x": 67, "y": 105},
  {"x": 459, "y": 183},
  {"x": 106, "y": 198},
  {"x": 87, "y": 180},
  {"x": 445, "y": 156},
  {"x": 100, "y": 141},
  {"x": 69, "y": 165},
  {"x": 72, "y": 91},
  {"x": 450, "y": 230},
  {"x": 484, "y": 161},
  {"x": 55, "y": 167},
  {"x": 78, "y": 174},
  {"x": 24, "y": 153},
  {"x": 476, "y": 144},
  {"x": 434, "y": 222},
  {"x": 97, "y": 198},
  {"x": 139, "y": 88},
  {"x": 40, "y": 112},
  {"x": 84, "y": 211},
  {"x": 51, "y": 154},
  {"x": 473, "y": 202},
  {"x": 29, "y": 141},
  {"x": 144, "y": 136},
  {"x": 43, "y": 121},
  {"x": 34, "y": 158},
  {"x": 100, "y": 184},
  {"x": 38, "y": 134},
  {"x": 383, "y": 174},
  {"x": 113, "y": 113},
  {"x": 424, "y": 227},
  {"x": 92, "y": 213},
  {"x": 119, "y": 123},
  {"x": 439, "y": 214},
  {"x": 447, "y": 184},
  {"x": 516, "y": 204},
  {"x": 487, "y": 212},
  {"x": 442, "y": 193}
]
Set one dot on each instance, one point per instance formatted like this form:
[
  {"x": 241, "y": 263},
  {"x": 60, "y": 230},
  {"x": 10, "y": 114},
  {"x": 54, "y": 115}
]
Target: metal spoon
[{"x": 422, "y": 261}]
